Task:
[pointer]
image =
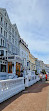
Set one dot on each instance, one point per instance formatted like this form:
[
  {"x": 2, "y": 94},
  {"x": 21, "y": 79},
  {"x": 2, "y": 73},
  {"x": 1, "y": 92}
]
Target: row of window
[
  {"x": 24, "y": 54},
  {"x": 10, "y": 38},
  {"x": 9, "y": 47},
  {"x": 7, "y": 25}
]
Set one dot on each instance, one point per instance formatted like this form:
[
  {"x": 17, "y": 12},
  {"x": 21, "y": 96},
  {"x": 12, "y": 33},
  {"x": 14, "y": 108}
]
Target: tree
[{"x": 43, "y": 71}]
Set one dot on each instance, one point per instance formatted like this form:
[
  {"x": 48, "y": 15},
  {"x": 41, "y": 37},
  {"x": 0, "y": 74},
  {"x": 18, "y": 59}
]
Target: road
[{"x": 33, "y": 98}]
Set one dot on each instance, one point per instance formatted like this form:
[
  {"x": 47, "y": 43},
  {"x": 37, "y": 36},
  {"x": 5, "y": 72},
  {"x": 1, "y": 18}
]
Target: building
[
  {"x": 32, "y": 63},
  {"x": 9, "y": 39},
  {"x": 24, "y": 54},
  {"x": 39, "y": 65},
  {"x": 47, "y": 68}
]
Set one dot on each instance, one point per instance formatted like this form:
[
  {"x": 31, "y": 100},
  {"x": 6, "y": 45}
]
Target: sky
[{"x": 32, "y": 20}]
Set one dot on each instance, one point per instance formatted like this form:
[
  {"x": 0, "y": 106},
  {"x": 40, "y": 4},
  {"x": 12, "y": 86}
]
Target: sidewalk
[
  {"x": 47, "y": 108},
  {"x": 33, "y": 98}
]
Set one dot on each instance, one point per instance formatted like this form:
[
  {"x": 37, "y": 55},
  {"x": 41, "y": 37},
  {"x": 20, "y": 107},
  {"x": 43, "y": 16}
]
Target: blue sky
[{"x": 32, "y": 19}]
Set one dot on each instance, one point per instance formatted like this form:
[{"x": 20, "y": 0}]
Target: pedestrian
[{"x": 46, "y": 77}]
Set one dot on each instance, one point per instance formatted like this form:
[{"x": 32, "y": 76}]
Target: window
[
  {"x": 1, "y": 30},
  {"x": 22, "y": 53},
  {"x": 5, "y": 13},
  {"x": 1, "y": 19},
  {"x": 1, "y": 42},
  {"x": 6, "y": 24},
  {"x": 12, "y": 30},
  {"x": 27, "y": 56},
  {"x": 34, "y": 67},
  {"x": 8, "y": 46},
  {"x": 15, "y": 33},
  {"x": 4, "y": 33},
  {"x": 9, "y": 27},
  {"x": 12, "y": 40},
  {"x": 15, "y": 42},
  {"x": 6, "y": 53},
  {"x": 2, "y": 52},
  {"x": 27, "y": 63}
]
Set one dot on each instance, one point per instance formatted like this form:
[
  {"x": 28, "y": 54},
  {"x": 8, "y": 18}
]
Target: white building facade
[
  {"x": 9, "y": 39},
  {"x": 24, "y": 54},
  {"x": 39, "y": 65}
]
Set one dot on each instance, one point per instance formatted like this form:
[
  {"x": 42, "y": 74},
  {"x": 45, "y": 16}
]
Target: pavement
[
  {"x": 34, "y": 98},
  {"x": 47, "y": 107}
]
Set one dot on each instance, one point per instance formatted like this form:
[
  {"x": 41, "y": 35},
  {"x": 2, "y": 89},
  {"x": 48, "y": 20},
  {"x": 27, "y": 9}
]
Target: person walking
[{"x": 46, "y": 77}]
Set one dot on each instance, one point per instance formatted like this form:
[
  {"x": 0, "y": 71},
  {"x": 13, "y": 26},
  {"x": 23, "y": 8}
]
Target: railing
[
  {"x": 30, "y": 79},
  {"x": 5, "y": 76},
  {"x": 9, "y": 88}
]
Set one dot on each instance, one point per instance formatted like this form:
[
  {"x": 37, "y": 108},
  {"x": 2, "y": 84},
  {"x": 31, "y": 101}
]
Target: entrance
[
  {"x": 18, "y": 69},
  {"x": 9, "y": 67}
]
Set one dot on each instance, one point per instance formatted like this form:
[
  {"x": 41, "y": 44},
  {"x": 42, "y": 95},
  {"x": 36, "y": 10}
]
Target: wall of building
[
  {"x": 32, "y": 62},
  {"x": 24, "y": 54},
  {"x": 9, "y": 35}
]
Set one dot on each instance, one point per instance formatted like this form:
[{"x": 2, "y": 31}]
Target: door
[
  {"x": 18, "y": 69},
  {"x": 9, "y": 67}
]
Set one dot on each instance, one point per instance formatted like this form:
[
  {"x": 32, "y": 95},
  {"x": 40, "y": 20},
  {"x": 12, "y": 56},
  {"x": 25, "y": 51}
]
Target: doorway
[
  {"x": 9, "y": 67},
  {"x": 18, "y": 69}
]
